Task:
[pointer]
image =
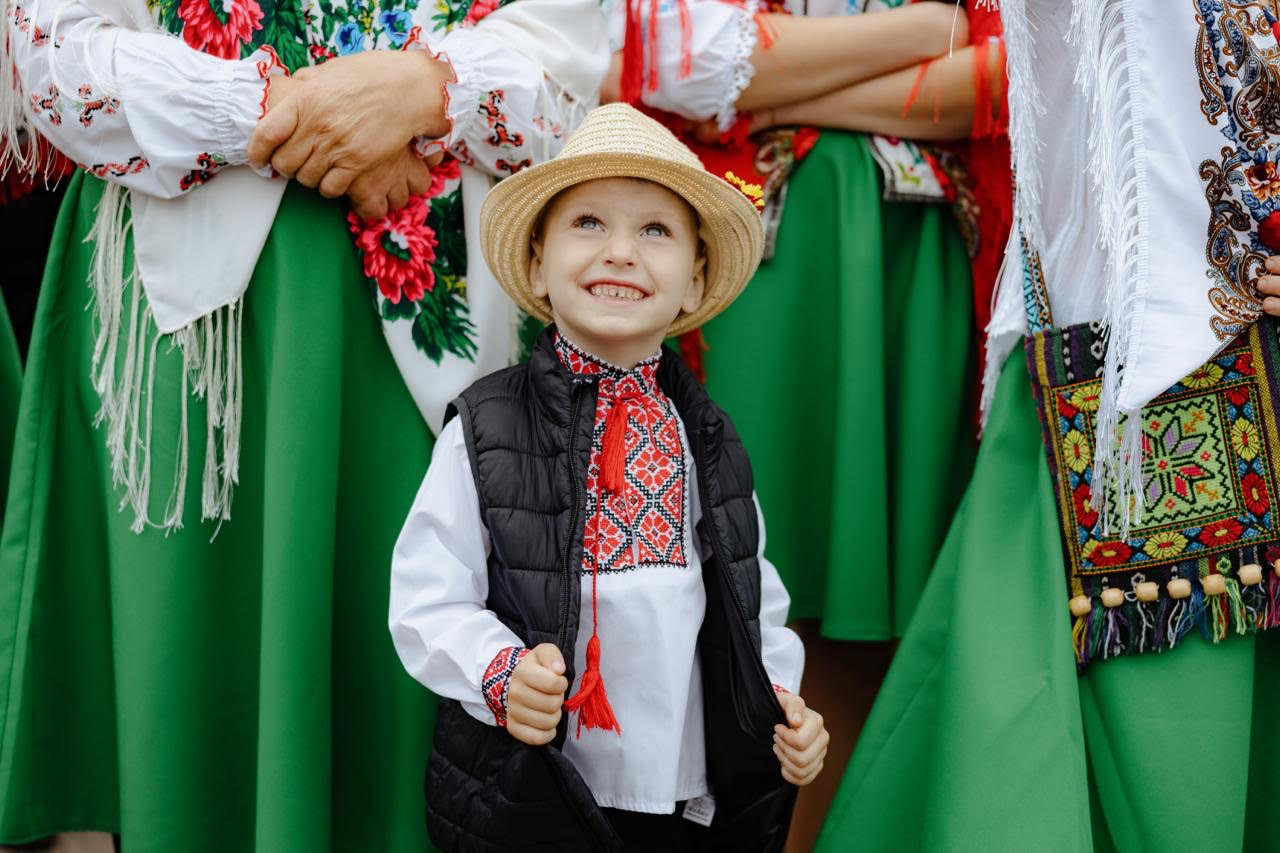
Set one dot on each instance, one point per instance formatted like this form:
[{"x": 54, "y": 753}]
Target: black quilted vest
[{"x": 528, "y": 435}]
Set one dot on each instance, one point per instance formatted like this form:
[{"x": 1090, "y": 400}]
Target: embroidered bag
[{"x": 1201, "y": 556}]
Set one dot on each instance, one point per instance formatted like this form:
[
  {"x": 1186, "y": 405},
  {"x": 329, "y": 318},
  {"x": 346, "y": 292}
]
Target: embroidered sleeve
[
  {"x": 497, "y": 681},
  {"x": 142, "y": 109},
  {"x": 722, "y": 38},
  {"x": 778, "y": 688},
  {"x": 506, "y": 114}
]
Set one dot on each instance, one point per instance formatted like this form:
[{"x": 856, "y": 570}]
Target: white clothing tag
[{"x": 700, "y": 810}]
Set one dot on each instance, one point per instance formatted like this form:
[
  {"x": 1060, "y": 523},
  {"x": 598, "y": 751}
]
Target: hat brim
[{"x": 730, "y": 225}]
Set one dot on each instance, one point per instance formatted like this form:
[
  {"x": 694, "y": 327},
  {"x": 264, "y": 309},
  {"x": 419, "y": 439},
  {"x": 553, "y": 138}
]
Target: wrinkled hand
[
  {"x": 535, "y": 695},
  {"x": 386, "y": 187},
  {"x": 801, "y": 745},
  {"x": 334, "y": 122},
  {"x": 1269, "y": 287}
]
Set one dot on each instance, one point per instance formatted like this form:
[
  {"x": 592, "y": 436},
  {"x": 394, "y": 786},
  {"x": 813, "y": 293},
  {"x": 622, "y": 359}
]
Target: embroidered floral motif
[
  {"x": 415, "y": 259},
  {"x": 50, "y": 104},
  {"x": 499, "y": 136},
  {"x": 512, "y": 168},
  {"x": 207, "y": 165},
  {"x": 644, "y": 524},
  {"x": 89, "y": 105},
  {"x": 118, "y": 170},
  {"x": 1236, "y": 54},
  {"x": 496, "y": 684}
]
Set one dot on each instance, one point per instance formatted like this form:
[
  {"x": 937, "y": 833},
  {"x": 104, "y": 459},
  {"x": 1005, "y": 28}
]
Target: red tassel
[
  {"x": 632, "y": 56},
  {"x": 613, "y": 458},
  {"x": 592, "y": 701},
  {"x": 686, "y": 39}
]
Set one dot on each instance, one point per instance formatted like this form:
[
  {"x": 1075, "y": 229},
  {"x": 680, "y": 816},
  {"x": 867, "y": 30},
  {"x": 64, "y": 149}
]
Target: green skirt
[
  {"x": 845, "y": 366},
  {"x": 10, "y": 388},
  {"x": 984, "y": 738},
  {"x": 232, "y": 692}
]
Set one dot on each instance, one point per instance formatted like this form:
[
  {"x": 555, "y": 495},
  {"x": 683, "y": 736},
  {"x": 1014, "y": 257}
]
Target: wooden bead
[
  {"x": 1179, "y": 588},
  {"x": 1251, "y": 575},
  {"x": 1148, "y": 591},
  {"x": 1080, "y": 606},
  {"x": 1112, "y": 596},
  {"x": 1276, "y": 565},
  {"x": 1214, "y": 584}
]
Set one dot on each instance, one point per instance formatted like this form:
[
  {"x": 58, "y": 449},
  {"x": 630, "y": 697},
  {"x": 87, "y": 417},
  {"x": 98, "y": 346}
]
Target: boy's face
[{"x": 618, "y": 258}]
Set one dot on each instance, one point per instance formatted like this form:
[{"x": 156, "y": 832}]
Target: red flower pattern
[
  {"x": 1110, "y": 554},
  {"x": 1086, "y": 516},
  {"x": 1255, "y": 493},
  {"x": 1220, "y": 532},
  {"x": 480, "y": 9},
  {"x": 397, "y": 251},
  {"x": 223, "y": 32}
]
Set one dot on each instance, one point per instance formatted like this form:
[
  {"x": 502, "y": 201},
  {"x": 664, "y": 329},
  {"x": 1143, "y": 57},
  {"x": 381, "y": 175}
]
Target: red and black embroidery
[
  {"x": 511, "y": 168},
  {"x": 496, "y": 683},
  {"x": 207, "y": 165},
  {"x": 644, "y": 522},
  {"x": 89, "y": 105},
  {"x": 491, "y": 109},
  {"x": 135, "y": 165},
  {"x": 49, "y": 104}
]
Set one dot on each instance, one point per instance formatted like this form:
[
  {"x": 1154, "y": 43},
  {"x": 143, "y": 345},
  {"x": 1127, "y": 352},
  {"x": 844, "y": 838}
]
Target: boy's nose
[{"x": 620, "y": 252}]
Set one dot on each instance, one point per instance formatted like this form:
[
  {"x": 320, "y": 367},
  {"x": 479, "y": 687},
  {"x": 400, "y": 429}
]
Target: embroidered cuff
[
  {"x": 497, "y": 681},
  {"x": 243, "y": 103},
  {"x": 778, "y": 688},
  {"x": 461, "y": 94}
]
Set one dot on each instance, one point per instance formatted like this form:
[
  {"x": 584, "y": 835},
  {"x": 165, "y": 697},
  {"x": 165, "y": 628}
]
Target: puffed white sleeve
[
  {"x": 722, "y": 37},
  {"x": 443, "y": 633},
  {"x": 780, "y": 647},
  {"x": 505, "y": 113},
  {"x": 143, "y": 109}
]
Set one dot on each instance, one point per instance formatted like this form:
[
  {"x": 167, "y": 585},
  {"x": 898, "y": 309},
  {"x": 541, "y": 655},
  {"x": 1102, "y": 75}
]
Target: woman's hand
[
  {"x": 334, "y": 122},
  {"x": 535, "y": 695},
  {"x": 1269, "y": 287},
  {"x": 388, "y": 185},
  {"x": 801, "y": 745}
]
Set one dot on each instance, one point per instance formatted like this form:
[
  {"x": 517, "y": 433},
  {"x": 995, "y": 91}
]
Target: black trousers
[{"x": 646, "y": 833}]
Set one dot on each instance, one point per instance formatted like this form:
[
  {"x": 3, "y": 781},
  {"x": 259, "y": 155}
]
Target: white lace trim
[{"x": 748, "y": 34}]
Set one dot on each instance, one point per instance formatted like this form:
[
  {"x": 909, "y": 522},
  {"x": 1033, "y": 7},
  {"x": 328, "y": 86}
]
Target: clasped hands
[
  {"x": 537, "y": 690},
  {"x": 346, "y": 127}
]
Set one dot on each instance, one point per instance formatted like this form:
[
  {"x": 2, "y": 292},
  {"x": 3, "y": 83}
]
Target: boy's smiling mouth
[{"x": 616, "y": 290}]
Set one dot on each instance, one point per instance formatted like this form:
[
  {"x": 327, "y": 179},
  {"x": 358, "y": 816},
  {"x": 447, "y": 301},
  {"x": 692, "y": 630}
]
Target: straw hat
[{"x": 618, "y": 141}]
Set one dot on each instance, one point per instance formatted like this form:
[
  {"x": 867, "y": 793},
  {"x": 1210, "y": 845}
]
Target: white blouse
[{"x": 649, "y": 620}]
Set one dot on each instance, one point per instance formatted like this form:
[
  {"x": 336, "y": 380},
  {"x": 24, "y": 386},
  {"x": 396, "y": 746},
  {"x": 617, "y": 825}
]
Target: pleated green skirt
[
  {"x": 984, "y": 738},
  {"x": 846, "y": 367},
  {"x": 237, "y": 692},
  {"x": 10, "y": 389}
]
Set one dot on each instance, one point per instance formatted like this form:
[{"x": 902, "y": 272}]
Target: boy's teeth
[{"x": 615, "y": 292}]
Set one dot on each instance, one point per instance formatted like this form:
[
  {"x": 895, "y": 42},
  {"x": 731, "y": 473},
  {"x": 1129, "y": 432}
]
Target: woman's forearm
[
  {"x": 943, "y": 109},
  {"x": 809, "y": 57}
]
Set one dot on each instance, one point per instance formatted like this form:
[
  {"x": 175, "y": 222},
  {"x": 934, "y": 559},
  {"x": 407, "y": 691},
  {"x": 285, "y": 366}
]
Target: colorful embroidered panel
[{"x": 1202, "y": 554}]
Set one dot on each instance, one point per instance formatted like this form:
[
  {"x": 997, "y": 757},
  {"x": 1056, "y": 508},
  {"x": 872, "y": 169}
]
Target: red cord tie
[{"x": 592, "y": 700}]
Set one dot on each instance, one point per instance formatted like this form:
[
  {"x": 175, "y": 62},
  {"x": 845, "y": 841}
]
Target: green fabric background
[
  {"x": 984, "y": 738},
  {"x": 846, "y": 367},
  {"x": 239, "y": 694}
]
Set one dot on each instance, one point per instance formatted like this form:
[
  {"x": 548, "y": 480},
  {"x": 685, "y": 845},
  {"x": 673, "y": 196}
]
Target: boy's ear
[
  {"x": 697, "y": 286},
  {"x": 537, "y": 282}
]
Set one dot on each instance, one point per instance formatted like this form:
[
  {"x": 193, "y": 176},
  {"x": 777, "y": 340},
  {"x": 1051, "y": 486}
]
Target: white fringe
[
  {"x": 125, "y": 381},
  {"x": 1103, "y": 30},
  {"x": 1026, "y": 106}
]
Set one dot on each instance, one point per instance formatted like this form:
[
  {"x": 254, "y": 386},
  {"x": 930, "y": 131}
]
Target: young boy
[{"x": 588, "y": 519}]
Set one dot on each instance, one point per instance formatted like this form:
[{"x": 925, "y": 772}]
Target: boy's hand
[
  {"x": 1269, "y": 287},
  {"x": 535, "y": 695},
  {"x": 801, "y": 745}
]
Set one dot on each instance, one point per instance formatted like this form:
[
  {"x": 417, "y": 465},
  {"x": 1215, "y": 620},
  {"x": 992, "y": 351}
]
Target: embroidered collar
[{"x": 582, "y": 363}]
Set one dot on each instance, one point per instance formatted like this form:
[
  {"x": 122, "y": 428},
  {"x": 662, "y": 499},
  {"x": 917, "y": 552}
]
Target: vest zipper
[{"x": 575, "y": 410}]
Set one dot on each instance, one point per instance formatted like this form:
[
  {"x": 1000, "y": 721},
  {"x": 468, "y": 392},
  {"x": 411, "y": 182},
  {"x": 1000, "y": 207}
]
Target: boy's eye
[
  {"x": 588, "y": 222},
  {"x": 656, "y": 229}
]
